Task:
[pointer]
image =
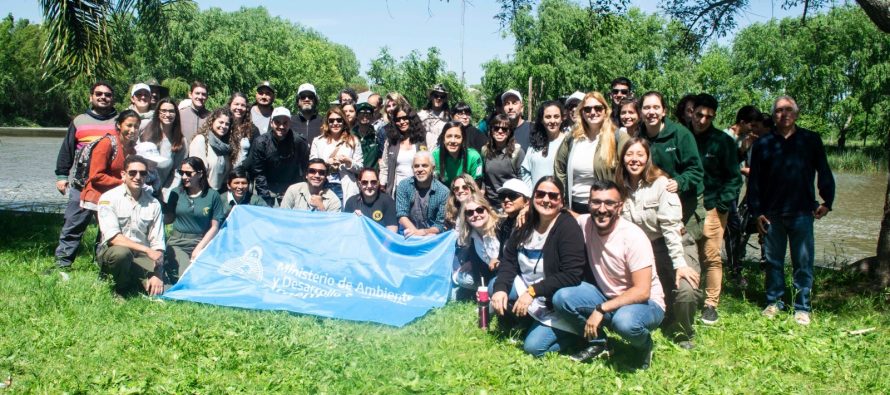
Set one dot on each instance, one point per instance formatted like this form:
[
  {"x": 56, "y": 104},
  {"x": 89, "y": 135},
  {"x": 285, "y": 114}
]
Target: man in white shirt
[{"x": 132, "y": 229}]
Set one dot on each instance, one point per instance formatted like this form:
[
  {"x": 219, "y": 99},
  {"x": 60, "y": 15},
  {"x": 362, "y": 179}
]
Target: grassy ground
[
  {"x": 858, "y": 159},
  {"x": 74, "y": 336}
]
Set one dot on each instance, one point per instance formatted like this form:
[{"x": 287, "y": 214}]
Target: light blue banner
[{"x": 335, "y": 265}]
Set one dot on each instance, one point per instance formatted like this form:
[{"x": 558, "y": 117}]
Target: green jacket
[
  {"x": 371, "y": 148},
  {"x": 562, "y": 168},
  {"x": 719, "y": 158},
  {"x": 674, "y": 151}
]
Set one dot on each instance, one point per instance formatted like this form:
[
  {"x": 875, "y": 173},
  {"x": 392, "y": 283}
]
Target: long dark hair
[
  {"x": 461, "y": 152},
  {"x": 197, "y": 165},
  {"x": 154, "y": 128},
  {"x": 532, "y": 218},
  {"x": 416, "y": 132},
  {"x": 130, "y": 143},
  {"x": 539, "y": 138},
  {"x": 680, "y": 109},
  {"x": 239, "y": 129},
  {"x": 489, "y": 150}
]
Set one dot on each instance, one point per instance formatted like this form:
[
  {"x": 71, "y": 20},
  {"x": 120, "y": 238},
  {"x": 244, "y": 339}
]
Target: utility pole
[{"x": 463, "y": 11}]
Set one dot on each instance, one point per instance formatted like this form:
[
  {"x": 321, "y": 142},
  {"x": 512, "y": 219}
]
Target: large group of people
[{"x": 600, "y": 213}]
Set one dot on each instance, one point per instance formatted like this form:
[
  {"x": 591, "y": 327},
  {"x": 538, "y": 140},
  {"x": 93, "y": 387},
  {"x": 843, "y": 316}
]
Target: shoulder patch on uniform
[{"x": 104, "y": 202}]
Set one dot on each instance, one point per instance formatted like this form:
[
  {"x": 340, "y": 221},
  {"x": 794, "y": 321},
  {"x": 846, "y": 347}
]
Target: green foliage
[
  {"x": 75, "y": 337},
  {"x": 229, "y": 51},
  {"x": 413, "y": 76}
]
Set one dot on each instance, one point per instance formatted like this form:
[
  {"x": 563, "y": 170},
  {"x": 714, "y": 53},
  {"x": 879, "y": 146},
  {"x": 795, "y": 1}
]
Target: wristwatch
[
  {"x": 599, "y": 308},
  {"x": 531, "y": 290}
]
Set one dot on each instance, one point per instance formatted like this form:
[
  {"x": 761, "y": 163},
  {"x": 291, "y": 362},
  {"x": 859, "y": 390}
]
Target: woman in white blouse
[{"x": 341, "y": 151}]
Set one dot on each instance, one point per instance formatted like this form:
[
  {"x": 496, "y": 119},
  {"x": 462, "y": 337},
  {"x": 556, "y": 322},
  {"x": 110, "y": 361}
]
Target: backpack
[{"x": 82, "y": 165}]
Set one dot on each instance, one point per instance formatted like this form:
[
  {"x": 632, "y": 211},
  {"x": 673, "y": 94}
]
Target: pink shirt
[{"x": 614, "y": 257}]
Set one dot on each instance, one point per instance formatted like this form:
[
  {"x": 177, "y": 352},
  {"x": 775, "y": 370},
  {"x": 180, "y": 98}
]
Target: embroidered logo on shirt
[
  {"x": 377, "y": 215},
  {"x": 206, "y": 211},
  {"x": 669, "y": 149}
]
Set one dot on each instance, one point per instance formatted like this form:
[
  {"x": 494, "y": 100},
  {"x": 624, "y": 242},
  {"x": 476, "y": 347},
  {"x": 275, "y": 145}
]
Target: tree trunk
[
  {"x": 878, "y": 11},
  {"x": 842, "y": 135},
  {"x": 882, "y": 271}
]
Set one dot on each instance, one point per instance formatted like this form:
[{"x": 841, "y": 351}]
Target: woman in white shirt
[
  {"x": 545, "y": 139},
  {"x": 341, "y": 151}
]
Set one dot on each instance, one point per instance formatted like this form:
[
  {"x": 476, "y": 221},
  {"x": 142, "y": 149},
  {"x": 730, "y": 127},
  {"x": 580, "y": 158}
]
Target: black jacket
[
  {"x": 309, "y": 129},
  {"x": 276, "y": 165},
  {"x": 565, "y": 259}
]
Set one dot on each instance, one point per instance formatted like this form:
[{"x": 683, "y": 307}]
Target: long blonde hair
[
  {"x": 452, "y": 205},
  {"x": 464, "y": 228},
  {"x": 608, "y": 153}
]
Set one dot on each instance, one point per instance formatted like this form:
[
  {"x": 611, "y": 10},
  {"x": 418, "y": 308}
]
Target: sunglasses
[
  {"x": 464, "y": 112},
  {"x": 365, "y": 112},
  {"x": 141, "y": 173},
  {"x": 589, "y": 109},
  {"x": 105, "y": 94},
  {"x": 621, "y": 91},
  {"x": 307, "y": 97},
  {"x": 478, "y": 210},
  {"x": 335, "y": 120},
  {"x": 321, "y": 172},
  {"x": 402, "y": 119},
  {"x": 186, "y": 173},
  {"x": 539, "y": 194},
  {"x": 458, "y": 188},
  {"x": 503, "y": 129},
  {"x": 438, "y": 96},
  {"x": 596, "y": 203},
  {"x": 367, "y": 183},
  {"x": 509, "y": 195}
]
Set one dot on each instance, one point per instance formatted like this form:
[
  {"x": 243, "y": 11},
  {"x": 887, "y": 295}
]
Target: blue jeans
[
  {"x": 540, "y": 339},
  {"x": 76, "y": 221},
  {"x": 633, "y": 322},
  {"x": 798, "y": 231}
]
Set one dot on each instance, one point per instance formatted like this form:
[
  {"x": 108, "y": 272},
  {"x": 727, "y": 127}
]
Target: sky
[{"x": 366, "y": 26}]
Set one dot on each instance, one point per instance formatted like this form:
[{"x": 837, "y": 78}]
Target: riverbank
[
  {"x": 74, "y": 336},
  {"x": 858, "y": 159}
]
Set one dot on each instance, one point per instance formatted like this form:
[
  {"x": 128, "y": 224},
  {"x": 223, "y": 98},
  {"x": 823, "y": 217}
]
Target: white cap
[
  {"x": 305, "y": 88},
  {"x": 578, "y": 95},
  {"x": 149, "y": 151},
  {"x": 138, "y": 87},
  {"x": 511, "y": 92},
  {"x": 516, "y": 185},
  {"x": 280, "y": 112}
]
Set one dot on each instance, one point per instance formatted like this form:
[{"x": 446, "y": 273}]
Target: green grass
[
  {"x": 74, "y": 336},
  {"x": 857, "y": 159}
]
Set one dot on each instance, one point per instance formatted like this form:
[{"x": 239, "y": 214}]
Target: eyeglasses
[
  {"x": 141, "y": 173},
  {"x": 402, "y": 119},
  {"x": 321, "y": 172},
  {"x": 367, "y": 183},
  {"x": 596, "y": 203},
  {"x": 186, "y": 173},
  {"x": 335, "y": 120},
  {"x": 167, "y": 111},
  {"x": 620, "y": 91},
  {"x": 509, "y": 195},
  {"x": 539, "y": 194},
  {"x": 596, "y": 108},
  {"x": 365, "y": 112},
  {"x": 500, "y": 129},
  {"x": 478, "y": 210},
  {"x": 101, "y": 94},
  {"x": 458, "y": 188}
]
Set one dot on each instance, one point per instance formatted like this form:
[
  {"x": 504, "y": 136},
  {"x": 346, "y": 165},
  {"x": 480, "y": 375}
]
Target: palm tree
[{"x": 83, "y": 36}]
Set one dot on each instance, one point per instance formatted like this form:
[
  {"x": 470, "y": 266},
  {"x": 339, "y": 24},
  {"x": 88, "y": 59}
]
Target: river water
[{"x": 848, "y": 233}]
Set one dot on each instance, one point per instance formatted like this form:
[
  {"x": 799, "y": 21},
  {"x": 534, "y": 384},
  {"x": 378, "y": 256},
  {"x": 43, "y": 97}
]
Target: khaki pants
[
  {"x": 179, "y": 253},
  {"x": 129, "y": 269},
  {"x": 709, "y": 253},
  {"x": 683, "y": 302}
]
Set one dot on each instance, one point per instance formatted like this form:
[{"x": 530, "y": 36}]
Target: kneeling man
[
  {"x": 624, "y": 293},
  {"x": 132, "y": 246}
]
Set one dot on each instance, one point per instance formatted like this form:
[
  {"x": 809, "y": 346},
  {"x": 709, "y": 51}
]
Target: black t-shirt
[{"x": 381, "y": 211}]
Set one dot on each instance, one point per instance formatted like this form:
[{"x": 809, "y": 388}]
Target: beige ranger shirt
[
  {"x": 297, "y": 198},
  {"x": 140, "y": 220},
  {"x": 659, "y": 213}
]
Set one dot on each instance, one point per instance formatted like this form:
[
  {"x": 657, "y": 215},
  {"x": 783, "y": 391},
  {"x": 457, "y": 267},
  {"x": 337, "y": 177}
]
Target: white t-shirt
[
  {"x": 405, "y": 164},
  {"x": 581, "y": 159},
  {"x": 531, "y": 256}
]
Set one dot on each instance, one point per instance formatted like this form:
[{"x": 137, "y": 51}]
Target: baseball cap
[
  {"x": 307, "y": 88},
  {"x": 280, "y": 112},
  {"x": 138, "y": 87},
  {"x": 516, "y": 185},
  {"x": 575, "y": 97},
  {"x": 266, "y": 84},
  {"x": 511, "y": 92}
]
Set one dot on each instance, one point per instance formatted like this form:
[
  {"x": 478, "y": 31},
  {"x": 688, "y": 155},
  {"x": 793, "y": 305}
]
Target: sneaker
[
  {"x": 770, "y": 311},
  {"x": 802, "y": 317},
  {"x": 647, "y": 359},
  {"x": 596, "y": 350},
  {"x": 686, "y": 344},
  {"x": 709, "y": 315},
  {"x": 61, "y": 270}
]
